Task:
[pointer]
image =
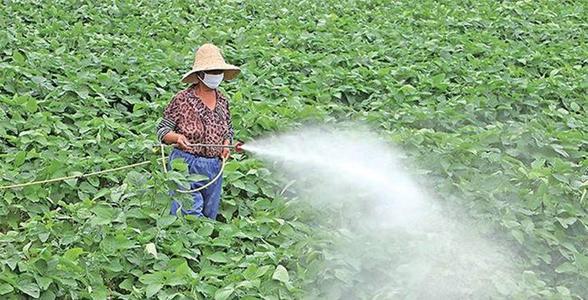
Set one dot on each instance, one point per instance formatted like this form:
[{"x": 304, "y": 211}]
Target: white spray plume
[{"x": 399, "y": 241}]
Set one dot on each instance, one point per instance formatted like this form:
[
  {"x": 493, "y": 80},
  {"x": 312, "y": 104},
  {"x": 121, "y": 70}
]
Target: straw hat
[{"x": 208, "y": 58}]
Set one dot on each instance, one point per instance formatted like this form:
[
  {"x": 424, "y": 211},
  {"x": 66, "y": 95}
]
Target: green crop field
[{"x": 489, "y": 98}]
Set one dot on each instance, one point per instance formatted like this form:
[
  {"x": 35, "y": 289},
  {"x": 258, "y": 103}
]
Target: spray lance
[{"x": 238, "y": 146}]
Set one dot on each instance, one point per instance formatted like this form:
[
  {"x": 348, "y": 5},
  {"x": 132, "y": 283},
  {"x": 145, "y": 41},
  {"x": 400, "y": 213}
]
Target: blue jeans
[{"x": 207, "y": 201}]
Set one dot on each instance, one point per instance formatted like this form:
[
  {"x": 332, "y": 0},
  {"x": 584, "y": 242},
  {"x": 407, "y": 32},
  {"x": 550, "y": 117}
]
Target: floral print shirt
[{"x": 186, "y": 114}]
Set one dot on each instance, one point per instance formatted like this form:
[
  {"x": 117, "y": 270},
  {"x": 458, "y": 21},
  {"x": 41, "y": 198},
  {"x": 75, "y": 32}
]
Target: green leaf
[
  {"x": 29, "y": 288},
  {"x": 439, "y": 81},
  {"x": 250, "y": 272},
  {"x": 151, "y": 249},
  {"x": 152, "y": 289},
  {"x": 18, "y": 57},
  {"x": 563, "y": 290},
  {"x": 407, "y": 89},
  {"x": 166, "y": 220},
  {"x": 247, "y": 186},
  {"x": 99, "y": 293},
  {"x": 246, "y": 284},
  {"x": 101, "y": 193},
  {"x": 153, "y": 278},
  {"x": 262, "y": 270},
  {"x": 582, "y": 263},
  {"x": 224, "y": 293},
  {"x": 20, "y": 158},
  {"x": 206, "y": 229},
  {"x": 117, "y": 193},
  {"x": 559, "y": 149},
  {"x": 565, "y": 222},
  {"x": 565, "y": 267},
  {"x": 73, "y": 254},
  {"x": 219, "y": 257},
  {"x": 574, "y": 106},
  {"x": 561, "y": 178},
  {"x": 43, "y": 237},
  {"x": 176, "y": 279},
  {"x": 281, "y": 274},
  {"x": 43, "y": 282},
  {"x": 5, "y": 288},
  {"x": 30, "y": 105},
  {"x": 179, "y": 165},
  {"x": 126, "y": 284},
  {"x": 48, "y": 295}
]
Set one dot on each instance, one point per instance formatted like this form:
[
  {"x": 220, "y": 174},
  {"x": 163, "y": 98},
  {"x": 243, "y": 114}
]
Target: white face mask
[{"x": 212, "y": 81}]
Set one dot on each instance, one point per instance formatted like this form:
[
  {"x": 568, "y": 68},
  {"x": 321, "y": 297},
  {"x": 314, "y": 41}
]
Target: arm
[{"x": 165, "y": 129}]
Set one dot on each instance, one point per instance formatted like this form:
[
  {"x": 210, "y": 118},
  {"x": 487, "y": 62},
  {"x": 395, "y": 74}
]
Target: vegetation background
[{"x": 489, "y": 97}]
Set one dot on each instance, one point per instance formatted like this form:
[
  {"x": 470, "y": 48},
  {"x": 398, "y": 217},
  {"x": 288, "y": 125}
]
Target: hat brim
[{"x": 230, "y": 71}]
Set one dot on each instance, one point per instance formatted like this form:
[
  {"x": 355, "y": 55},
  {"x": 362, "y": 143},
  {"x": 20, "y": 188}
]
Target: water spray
[{"x": 396, "y": 238}]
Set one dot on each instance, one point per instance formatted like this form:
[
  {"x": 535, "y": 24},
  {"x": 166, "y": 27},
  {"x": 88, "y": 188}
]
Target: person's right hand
[{"x": 183, "y": 142}]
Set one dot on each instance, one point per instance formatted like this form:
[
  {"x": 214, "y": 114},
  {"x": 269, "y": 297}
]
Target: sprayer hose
[
  {"x": 163, "y": 163},
  {"x": 213, "y": 180}
]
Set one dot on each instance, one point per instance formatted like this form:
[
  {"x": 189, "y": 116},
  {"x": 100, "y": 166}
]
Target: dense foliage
[{"x": 489, "y": 97}]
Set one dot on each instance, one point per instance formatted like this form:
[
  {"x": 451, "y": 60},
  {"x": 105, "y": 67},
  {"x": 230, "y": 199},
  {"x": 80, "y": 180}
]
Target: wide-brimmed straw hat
[{"x": 208, "y": 58}]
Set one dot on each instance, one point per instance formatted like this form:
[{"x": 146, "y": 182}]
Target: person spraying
[{"x": 200, "y": 114}]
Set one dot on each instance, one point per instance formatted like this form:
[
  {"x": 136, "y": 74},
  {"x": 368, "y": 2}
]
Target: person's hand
[
  {"x": 226, "y": 151},
  {"x": 183, "y": 142}
]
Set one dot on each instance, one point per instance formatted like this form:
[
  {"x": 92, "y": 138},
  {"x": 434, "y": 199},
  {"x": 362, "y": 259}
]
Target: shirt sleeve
[{"x": 170, "y": 119}]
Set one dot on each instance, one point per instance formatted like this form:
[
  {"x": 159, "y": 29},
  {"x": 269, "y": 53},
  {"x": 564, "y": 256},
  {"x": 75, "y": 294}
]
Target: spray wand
[{"x": 238, "y": 146}]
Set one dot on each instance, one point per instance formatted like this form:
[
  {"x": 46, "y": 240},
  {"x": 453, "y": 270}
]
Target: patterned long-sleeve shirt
[{"x": 186, "y": 114}]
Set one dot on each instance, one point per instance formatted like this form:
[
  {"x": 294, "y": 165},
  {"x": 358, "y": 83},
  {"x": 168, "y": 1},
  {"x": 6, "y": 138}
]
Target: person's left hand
[{"x": 226, "y": 151}]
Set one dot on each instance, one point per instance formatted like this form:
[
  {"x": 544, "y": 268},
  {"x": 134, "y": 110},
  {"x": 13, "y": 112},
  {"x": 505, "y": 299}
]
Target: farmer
[{"x": 200, "y": 114}]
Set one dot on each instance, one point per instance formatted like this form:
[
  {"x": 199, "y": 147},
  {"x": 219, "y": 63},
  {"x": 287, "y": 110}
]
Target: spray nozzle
[{"x": 239, "y": 147}]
